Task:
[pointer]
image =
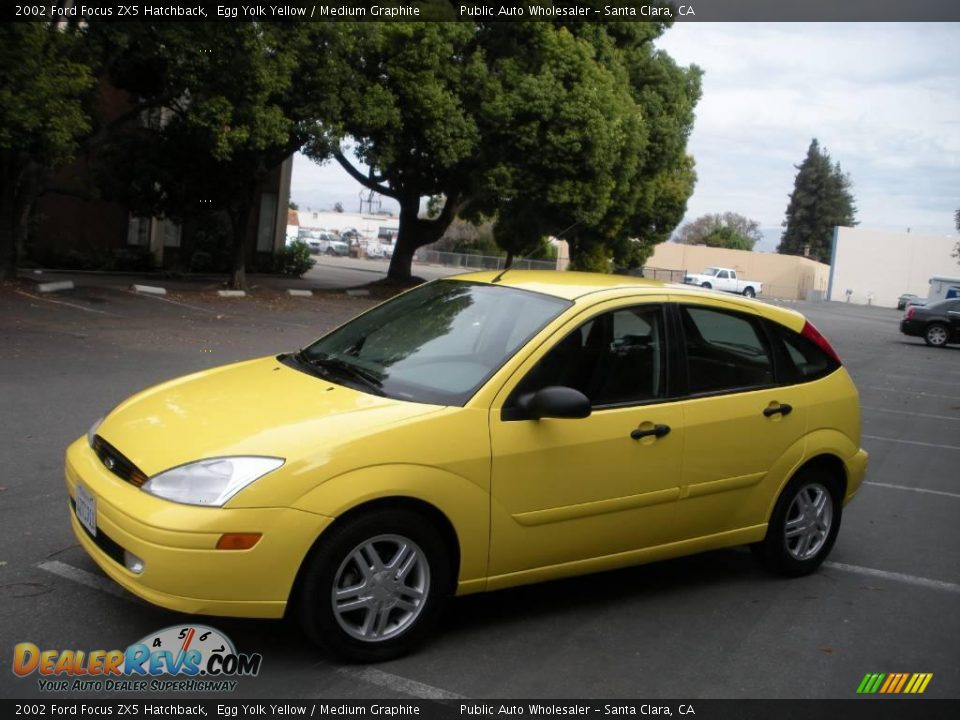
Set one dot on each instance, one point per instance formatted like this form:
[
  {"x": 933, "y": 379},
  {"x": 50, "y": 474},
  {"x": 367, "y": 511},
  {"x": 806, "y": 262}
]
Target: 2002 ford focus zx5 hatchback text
[{"x": 471, "y": 434}]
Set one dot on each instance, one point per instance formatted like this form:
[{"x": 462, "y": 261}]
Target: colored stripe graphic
[{"x": 894, "y": 683}]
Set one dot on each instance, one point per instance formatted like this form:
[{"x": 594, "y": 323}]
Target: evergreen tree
[
  {"x": 956, "y": 249},
  {"x": 820, "y": 201}
]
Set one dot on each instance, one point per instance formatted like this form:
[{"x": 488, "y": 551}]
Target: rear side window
[
  {"x": 726, "y": 351},
  {"x": 806, "y": 361}
]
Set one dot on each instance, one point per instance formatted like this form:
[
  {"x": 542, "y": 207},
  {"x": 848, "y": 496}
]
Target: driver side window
[{"x": 616, "y": 358}]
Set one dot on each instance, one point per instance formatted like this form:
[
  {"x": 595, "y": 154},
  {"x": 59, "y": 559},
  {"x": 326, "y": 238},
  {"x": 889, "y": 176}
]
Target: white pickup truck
[{"x": 720, "y": 278}]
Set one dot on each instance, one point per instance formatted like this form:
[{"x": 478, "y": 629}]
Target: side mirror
[{"x": 555, "y": 401}]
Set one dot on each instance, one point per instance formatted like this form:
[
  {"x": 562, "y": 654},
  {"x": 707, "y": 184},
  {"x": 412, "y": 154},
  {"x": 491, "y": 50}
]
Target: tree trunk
[
  {"x": 240, "y": 226},
  {"x": 415, "y": 232},
  {"x": 8, "y": 244},
  {"x": 8, "y": 232},
  {"x": 19, "y": 190}
]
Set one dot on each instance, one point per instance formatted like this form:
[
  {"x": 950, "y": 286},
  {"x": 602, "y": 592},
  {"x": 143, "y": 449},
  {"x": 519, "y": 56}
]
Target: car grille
[
  {"x": 116, "y": 463},
  {"x": 110, "y": 547}
]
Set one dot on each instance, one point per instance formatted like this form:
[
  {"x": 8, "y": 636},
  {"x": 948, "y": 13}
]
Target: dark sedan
[
  {"x": 905, "y": 299},
  {"x": 938, "y": 324}
]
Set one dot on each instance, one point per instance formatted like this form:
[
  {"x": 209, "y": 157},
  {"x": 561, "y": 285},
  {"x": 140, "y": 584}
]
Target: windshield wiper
[{"x": 328, "y": 362}]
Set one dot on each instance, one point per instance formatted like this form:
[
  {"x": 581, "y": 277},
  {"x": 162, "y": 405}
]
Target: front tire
[
  {"x": 804, "y": 524},
  {"x": 374, "y": 589},
  {"x": 936, "y": 335},
  {"x": 707, "y": 285}
]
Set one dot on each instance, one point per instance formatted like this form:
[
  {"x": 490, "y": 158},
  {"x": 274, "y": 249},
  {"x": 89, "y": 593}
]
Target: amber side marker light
[{"x": 238, "y": 541}]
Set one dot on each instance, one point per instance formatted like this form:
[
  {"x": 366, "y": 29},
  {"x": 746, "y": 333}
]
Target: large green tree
[
  {"x": 656, "y": 177},
  {"x": 227, "y": 109},
  {"x": 820, "y": 201},
  {"x": 726, "y": 230},
  {"x": 547, "y": 127},
  {"x": 46, "y": 84}
]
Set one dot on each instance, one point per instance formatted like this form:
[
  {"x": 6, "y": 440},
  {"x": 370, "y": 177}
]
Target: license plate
[{"x": 87, "y": 509}]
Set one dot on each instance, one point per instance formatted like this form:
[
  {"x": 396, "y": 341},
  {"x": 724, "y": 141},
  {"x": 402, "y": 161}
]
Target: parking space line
[
  {"x": 899, "y": 577},
  {"x": 912, "y": 442},
  {"x": 177, "y": 302},
  {"x": 61, "y": 302},
  {"x": 399, "y": 684},
  {"x": 69, "y": 572},
  {"x": 912, "y": 489},
  {"x": 911, "y": 392},
  {"x": 914, "y": 378},
  {"x": 912, "y": 414}
]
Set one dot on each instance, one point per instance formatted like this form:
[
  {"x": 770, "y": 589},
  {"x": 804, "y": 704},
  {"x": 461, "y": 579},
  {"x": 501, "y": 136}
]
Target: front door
[{"x": 565, "y": 490}]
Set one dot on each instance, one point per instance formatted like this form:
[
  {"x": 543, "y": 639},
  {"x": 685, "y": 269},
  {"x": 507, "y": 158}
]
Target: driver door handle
[{"x": 657, "y": 431}]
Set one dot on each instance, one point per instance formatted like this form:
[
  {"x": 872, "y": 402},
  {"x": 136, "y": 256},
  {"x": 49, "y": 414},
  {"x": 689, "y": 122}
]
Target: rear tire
[
  {"x": 804, "y": 524},
  {"x": 936, "y": 335},
  {"x": 375, "y": 588},
  {"x": 748, "y": 292}
]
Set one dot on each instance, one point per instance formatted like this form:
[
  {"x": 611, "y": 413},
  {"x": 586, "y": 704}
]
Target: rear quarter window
[{"x": 804, "y": 360}]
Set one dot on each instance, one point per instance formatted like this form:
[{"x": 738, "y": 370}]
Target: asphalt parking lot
[{"x": 709, "y": 626}]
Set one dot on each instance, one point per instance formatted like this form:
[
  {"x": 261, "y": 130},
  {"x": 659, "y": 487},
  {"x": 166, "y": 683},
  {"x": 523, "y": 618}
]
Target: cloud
[{"x": 881, "y": 98}]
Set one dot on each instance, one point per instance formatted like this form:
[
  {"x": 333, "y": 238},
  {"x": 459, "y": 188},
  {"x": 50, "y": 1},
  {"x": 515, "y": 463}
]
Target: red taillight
[
  {"x": 812, "y": 334},
  {"x": 910, "y": 312}
]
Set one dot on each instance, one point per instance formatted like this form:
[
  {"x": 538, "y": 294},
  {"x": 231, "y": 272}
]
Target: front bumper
[{"x": 183, "y": 569}]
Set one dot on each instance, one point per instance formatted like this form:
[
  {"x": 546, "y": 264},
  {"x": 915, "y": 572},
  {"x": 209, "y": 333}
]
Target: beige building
[
  {"x": 876, "y": 267},
  {"x": 783, "y": 276}
]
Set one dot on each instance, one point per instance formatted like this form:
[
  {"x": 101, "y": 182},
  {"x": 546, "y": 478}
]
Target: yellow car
[{"x": 474, "y": 433}]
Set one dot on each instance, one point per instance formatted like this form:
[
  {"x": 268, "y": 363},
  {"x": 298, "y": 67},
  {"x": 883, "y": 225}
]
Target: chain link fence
[{"x": 479, "y": 262}]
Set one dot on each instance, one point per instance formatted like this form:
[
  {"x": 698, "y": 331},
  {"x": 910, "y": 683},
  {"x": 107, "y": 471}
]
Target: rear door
[
  {"x": 953, "y": 314},
  {"x": 743, "y": 430}
]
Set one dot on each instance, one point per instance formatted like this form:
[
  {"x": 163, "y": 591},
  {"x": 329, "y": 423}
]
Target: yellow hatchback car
[{"x": 471, "y": 434}]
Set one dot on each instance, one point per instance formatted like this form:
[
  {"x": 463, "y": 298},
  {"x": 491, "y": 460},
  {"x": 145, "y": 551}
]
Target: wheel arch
[
  {"x": 431, "y": 514},
  {"x": 829, "y": 458},
  {"x": 832, "y": 465}
]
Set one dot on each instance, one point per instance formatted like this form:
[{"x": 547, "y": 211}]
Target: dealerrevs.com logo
[{"x": 201, "y": 658}]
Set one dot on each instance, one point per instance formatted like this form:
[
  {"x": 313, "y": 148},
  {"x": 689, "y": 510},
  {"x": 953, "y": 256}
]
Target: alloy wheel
[
  {"x": 808, "y": 522},
  {"x": 380, "y": 588}
]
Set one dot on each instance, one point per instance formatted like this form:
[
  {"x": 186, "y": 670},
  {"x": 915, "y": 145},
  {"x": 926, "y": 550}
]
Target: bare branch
[{"x": 361, "y": 178}]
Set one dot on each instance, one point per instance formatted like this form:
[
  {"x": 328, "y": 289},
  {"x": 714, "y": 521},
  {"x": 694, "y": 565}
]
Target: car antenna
[{"x": 524, "y": 257}]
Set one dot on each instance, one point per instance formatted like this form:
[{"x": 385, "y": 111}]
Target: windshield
[
  {"x": 437, "y": 343},
  {"x": 711, "y": 271}
]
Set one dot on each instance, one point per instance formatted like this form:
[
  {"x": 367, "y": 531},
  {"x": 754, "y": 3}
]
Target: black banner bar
[
  {"x": 501, "y": 10},
  {"x": 866, "y": 708}
]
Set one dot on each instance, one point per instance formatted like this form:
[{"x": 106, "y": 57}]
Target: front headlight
[{"x": 210, "y": 482}]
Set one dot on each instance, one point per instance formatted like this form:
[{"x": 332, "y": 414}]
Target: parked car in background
[
  {"x": 334, "y": 246},
  {"x": 474, "y": 433},
  {"x": 904, "y": 299},
  {"x": 718, "y": 278},
  {"x": 938, "y": 324},
  {"x": 372, "y": 249}
]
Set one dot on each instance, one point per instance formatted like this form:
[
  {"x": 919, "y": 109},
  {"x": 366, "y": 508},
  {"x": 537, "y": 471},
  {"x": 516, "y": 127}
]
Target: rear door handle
[
  {"x": 657, "y": 431},
  {"x": 783, "y": 409}
]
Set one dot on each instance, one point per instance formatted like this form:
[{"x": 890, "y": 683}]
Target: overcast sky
[{"x": 882, "y": 98}]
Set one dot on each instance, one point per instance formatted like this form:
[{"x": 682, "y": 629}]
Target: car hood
[{"x": 257, "y": 407}]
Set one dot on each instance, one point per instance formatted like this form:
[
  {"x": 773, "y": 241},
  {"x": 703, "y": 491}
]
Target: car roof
[{"x": 570, "y": 285}]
